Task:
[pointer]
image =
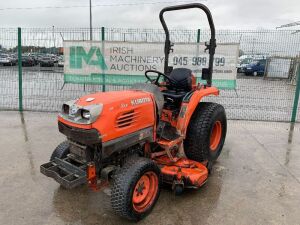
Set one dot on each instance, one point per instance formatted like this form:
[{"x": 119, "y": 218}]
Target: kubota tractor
[{"x": 134, "y": 140}]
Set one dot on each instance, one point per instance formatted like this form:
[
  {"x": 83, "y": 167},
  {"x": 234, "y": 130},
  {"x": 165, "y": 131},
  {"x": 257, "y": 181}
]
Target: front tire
[
  {"x": 135, "y": 188},
  {"x": 206, "y": 133},
  {"x": 61, "y": 151}
]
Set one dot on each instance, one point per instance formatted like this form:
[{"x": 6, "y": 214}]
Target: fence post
[
  {"x": 296, "y": 99},
  {"x": 103, "y": 50},
  {"x": 20, "y": 69},
  {"x": 198, "y": 35}
]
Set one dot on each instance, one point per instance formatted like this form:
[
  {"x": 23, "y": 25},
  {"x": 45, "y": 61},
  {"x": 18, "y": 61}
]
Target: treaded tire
[
  {"x": 124, "y": 184},
  {"x": 61, "y": 151},
  {"x": 197, "y": 144}
]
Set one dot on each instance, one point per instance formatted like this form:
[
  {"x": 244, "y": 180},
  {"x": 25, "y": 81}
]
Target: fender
[{"x": 188, "y": 107}]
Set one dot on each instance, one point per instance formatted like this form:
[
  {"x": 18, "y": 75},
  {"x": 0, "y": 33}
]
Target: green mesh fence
[
  {"x": 8, "y": 73},
  {"x": 264, "y": 98}
]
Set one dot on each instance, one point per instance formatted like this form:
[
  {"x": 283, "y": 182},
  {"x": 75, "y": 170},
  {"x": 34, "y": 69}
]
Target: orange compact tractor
[{"x": 133, "y": 141}]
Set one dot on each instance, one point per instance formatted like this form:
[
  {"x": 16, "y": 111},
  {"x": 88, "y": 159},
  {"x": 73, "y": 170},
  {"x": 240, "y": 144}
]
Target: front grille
[
  {"x": 126, "y": 119},
  {"x": 83, "y": 136}
]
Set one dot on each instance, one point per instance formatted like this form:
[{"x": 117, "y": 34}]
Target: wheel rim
[
  {"x": 145, "y": 192},
  {"x": 216, "y": 135}
]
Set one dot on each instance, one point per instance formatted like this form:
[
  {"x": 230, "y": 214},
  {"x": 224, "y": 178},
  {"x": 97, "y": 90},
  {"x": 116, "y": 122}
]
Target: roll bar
[{"x": 211, "y": 46}]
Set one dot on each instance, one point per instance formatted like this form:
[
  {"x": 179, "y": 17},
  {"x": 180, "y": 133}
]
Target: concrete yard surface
[{"x": 256, "y": 180}]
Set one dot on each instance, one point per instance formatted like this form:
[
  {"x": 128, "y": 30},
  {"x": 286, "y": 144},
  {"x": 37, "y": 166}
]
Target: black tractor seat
[
  {"x": 179, "y": 85},
  {"x": 180, "y": 80}
]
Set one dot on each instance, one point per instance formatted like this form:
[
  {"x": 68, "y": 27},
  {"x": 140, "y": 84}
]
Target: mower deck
[{"x": 184, "y": 172}]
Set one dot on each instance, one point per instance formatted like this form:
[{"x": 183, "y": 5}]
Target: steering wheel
[{"x": 159, "y": 74}]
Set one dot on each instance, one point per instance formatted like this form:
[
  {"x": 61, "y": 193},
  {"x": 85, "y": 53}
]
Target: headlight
[
  {"x": 65, "y": 109},
  {"x": 85, "y": 114},
  {"x": 81, "y": 114}
]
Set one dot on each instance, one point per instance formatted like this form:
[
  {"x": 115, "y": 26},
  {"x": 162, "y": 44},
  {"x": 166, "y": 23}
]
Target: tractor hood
[
  {"x": 107, "y": 98},
  {"x": 88, "y": 108}
]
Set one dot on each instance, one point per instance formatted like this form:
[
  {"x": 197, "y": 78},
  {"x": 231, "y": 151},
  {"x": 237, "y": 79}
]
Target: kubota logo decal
[
  {"x": 140, "y": 101},
  {"x": 93, "y": 57}
]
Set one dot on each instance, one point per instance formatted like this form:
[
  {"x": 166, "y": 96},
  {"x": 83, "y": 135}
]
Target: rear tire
[
  {"x": 61, "y": 151},
  {"x": 135, "y": 188},
  {"x": 206, "y": 133}
]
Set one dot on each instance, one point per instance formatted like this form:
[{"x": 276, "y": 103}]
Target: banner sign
[{"x": 124, "y": 63}]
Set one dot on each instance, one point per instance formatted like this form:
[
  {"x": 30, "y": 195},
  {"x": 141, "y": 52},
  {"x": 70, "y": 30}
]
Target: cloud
[{"x": 227, "y": 14}]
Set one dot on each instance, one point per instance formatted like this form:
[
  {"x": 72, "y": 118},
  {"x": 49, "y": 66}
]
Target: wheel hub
[
  {"x": 216, "y": 135},
  {"x": 145, "y": 191},
  {"x": 140, "y": 188}
]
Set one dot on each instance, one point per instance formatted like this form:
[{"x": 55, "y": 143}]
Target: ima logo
[{"x": 92, "y": 57}]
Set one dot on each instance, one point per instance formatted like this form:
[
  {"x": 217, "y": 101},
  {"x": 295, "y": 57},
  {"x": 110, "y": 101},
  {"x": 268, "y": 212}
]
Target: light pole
[
  {"x": 53, "y": 39},
  {"x": 91, "y": 27},
  {"x": 254, "y": 39}
]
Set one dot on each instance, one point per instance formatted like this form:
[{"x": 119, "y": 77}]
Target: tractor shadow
[
  {"x": 193, "y": 206},
  {"x": 83, "y": 206}
]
